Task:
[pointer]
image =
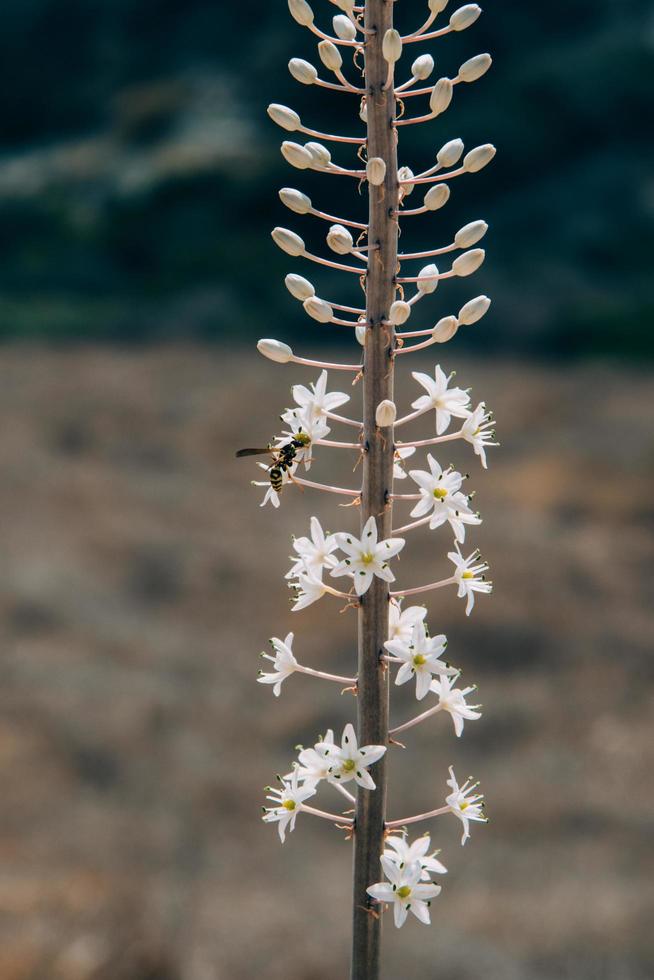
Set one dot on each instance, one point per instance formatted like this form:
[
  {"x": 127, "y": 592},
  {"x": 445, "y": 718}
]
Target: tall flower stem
[{"x": 372, "y": 698}]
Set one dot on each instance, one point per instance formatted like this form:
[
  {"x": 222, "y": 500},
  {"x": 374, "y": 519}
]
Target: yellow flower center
[
  {"x": 468, "y": 575},
  {"x": 440, "y": 493},
  {"x": 404, "y": 891},
  {"x": 476, "y": 432},
  {"x": 349, "y": 765},
  {"x": 367, "y": 558},
  {"x": 463, "y": 805},
  {"x": 419, "y": 660},
  {"x": 289, "y": 804}
]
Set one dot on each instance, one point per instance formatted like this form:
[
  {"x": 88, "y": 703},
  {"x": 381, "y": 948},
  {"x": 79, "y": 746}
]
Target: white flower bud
[
  {"x": 376, "y": 171},
  {"x": 474, "y": 68},
  {"x": 301, "y": 12},
  {"x": 392, "y": 46},
  {"x": 436, "y": 197},
  {"x": 299, "y": 287},
  {"x": 319, "y": 309},
  {"x": 330, "y": 55},
  {"x": 474, "y": 309},
  {"x": 470, "y": 234},
  {"x": 303, "y": 71},
  {"x": 464, "y": 17},
  {"x": 437, "y": 6},
  {"x": 427, "y": 284},
  {"x": 422, "y": 67},
  {"x": 340, "y": 240},
  {"x": 284, "y": 117},
  {"x": 399, "y": 312},
  {"x": 344, "y": 28},
  {"x": 363, "y": 111},
  {"x": 479, "y": 157},
  {"x": 346, "y": 5},
  {"x": 441, "y": 96},
  {"x": 386, "y": 413},
  {"x": 468, "y": 262},
  {"x": 360, "y": 334},
  {"x": 405, "y": 173},
  {"x": 295, "y": 200},
  {"x": 445, "y": 329},
  {"x": 296, "y": 155},
  {"x": 275, "y": 350},
  {"x": 288, "y": 241},
  {"x": 320, "y": 155},
  {"x": 450, "y": 153}
]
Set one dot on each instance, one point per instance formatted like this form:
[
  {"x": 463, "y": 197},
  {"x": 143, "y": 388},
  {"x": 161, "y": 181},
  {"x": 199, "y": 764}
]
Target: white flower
[
  {"x": 453, "y": 699},
  {"x": 404, "y": 891},
  {"x": 317, "y": 400},
  {"x": 284, "y": 662},
  {"x": 349, "y": 761},
  {"x": 315, "y": 553},
  {"x": 299, "y": 420},
  {"x": 440, "y": 492},
  {"x": 404, "y": 452},
  {"x": 446, "y": 401},
  {"x": 401, "y": 621},
  {"x": 478, "y": 430},
  {"x": 463, "y": 805},
  {"x": 420, "y": 658},
  {"x": 469, "y": 576},
  {"x": 308, "y": 589},
  {"x": 366, "y": 556},
  {"x": 314, "y": 764},
  {"x": 403, "y": 854},
  {"x": 288, "y": 802}
]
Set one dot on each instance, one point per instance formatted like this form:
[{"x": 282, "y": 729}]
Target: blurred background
[{"x": 139, "y": 579}]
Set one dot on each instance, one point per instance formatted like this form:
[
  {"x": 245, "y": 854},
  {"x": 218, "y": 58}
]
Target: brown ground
[{"x": 139, "y": 581}]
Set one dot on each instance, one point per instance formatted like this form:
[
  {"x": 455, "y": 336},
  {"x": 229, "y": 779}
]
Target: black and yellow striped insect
[{"x": 283, "y": 457}]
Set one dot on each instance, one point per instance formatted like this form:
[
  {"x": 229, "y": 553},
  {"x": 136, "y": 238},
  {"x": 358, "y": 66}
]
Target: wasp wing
[{"x": 266, "y": 451}]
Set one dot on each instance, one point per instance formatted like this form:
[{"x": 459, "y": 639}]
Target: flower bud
[
  {"x": 345, "y": 5},
  {"x": 360, "y": 334},
  {"x": 275, "y": 350},
  {"x": 427, "y": 284},
  {"x": 474, "y": 68},
  {"x": 436, "y": 197},
  {"x": 450, "y": 153},
  {"x": 330, "y": 55},
  {"x": 468, "y": 262},
  {"x": 320, "y": 155},
  {"x": 445, "y": 329},
  {"x": 437, "y": 6},
  {"x": 288, "y": 241},
  {"x": 464, "y": 17},
  {"x": 422, "y": 67},
  {"x": 405, "y": 173},
  {"x": 363, "y": 111},
  {"x": 340, "y": 240},
  {"x": 344, "y": 28},
  {"x": 479, "y": 157},
  {"x": 301, "y": 12},
  {"x": 284, "y": 117},
  {"x": 441, "y": 96},
  {"x": 319, "y": 309},
  {"x": 399, "y": 312},
  {"x": 385, "y": 413},
  {"x": 296, "y": 155},
  {"x": 474, "y": 309},
  {"x": 470, "y": 234},
  {"x": 376, "y": 171},
  {"x": 299, "y": 287},
  {"x": 302, "y": 71},
  {"x": 392, "y": 46},
  {"x": 295, "y": 200}
]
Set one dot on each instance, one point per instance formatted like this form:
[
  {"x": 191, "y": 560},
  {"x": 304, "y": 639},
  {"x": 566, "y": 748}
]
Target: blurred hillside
[{"x": 138, "y": 170}]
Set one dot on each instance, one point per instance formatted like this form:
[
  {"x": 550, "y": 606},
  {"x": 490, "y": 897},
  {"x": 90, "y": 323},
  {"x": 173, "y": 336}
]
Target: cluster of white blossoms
[{"x": 361, "y": 568}]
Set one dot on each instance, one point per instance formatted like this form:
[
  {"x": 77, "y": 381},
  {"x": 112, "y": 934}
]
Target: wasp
[{"x": 283, "y": 457}]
